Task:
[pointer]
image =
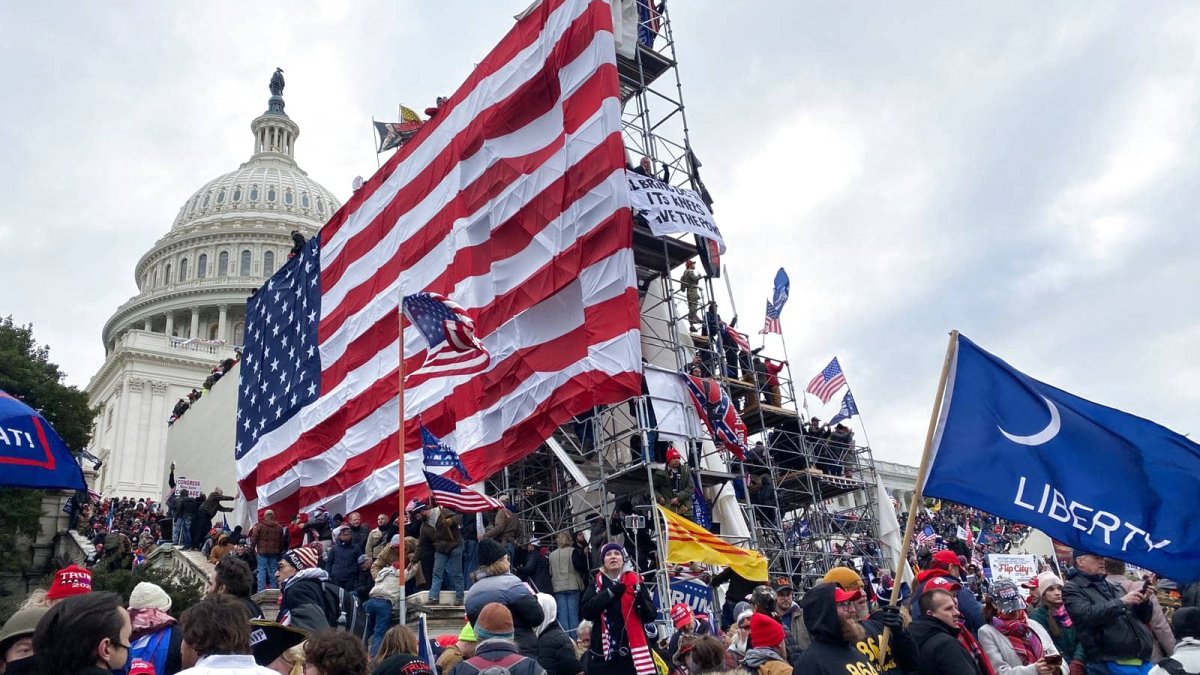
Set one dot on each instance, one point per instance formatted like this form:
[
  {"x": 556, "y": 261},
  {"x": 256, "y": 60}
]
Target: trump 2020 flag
[
  {"x": 1092, "y": 477},
  {"x": 31, "y": 453}
]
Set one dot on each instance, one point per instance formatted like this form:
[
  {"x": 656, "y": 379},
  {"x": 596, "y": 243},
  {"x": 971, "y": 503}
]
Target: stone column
[
  {"x": 195, "y": 330},
  {"x": 147, "y": 325},
  {"x": 171, "y": 326},
  {"x": 222, "y": 315}
]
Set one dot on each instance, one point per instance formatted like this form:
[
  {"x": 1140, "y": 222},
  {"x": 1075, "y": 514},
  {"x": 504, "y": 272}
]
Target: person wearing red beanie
[
  {"x": 673, "y": 484},
  {"x": 767, "y": 654}
]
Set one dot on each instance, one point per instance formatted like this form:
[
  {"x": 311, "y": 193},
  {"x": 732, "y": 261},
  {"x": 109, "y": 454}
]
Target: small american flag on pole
[
  {"x": 450, "y": 333},
  {"x": 926, "y": 536},
  {"x": 450, "y": 493},
  {"x": 775, "y": 305},
  {"x": 827, "y": 382}
]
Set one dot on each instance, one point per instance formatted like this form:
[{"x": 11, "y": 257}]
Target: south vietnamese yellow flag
[{"x": 688, "y": 542}]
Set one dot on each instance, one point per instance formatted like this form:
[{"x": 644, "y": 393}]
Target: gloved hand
[
  {"x": 890, "y": 617},
  {"x": 618, "y": 590}
]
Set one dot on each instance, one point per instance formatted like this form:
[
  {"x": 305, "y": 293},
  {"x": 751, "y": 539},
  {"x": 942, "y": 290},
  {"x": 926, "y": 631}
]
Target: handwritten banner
[{"x": 671, "y": 210}]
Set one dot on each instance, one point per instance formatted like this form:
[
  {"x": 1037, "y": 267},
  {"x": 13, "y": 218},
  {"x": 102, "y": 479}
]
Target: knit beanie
[
  {"x": 149, "y": 596},
  {"x": 467, "y": 634},
  {"x": 765, "y": 631},
  {"x": 612, "y": 546},
  {"x": 490, "y": 551},
  {"x": 1046, "y": 580},
  {"x": 302, "y": 558},
  {"x": 495, "y": 621},
  {"x": 69, "y": 581}
]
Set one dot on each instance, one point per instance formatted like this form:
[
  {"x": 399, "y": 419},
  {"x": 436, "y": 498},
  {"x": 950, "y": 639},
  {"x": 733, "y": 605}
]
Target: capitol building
[{"x": 189, "y": 313}]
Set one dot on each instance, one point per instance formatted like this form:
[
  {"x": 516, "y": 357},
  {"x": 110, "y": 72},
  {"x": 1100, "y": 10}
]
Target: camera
[{"x": 635, "y": 522}]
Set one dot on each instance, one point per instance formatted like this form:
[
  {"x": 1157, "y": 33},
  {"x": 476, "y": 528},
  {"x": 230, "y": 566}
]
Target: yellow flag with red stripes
[{"x": 688, "y": 542}]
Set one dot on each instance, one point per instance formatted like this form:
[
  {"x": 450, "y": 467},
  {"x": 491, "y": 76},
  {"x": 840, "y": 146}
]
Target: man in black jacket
[
  {"x": 937, "y": 632},
  {"x": 1110, "y": 623},
  {"x": 830, "y": 618},
  {"x": 537, "y": 567},
  {"x": 187, "y": 508}
]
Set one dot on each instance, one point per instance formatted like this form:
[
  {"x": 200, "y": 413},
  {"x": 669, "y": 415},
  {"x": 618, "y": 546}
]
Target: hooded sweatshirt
[
  {"x": 766, "y": 661},
  {"x": 830, "y": 653}
]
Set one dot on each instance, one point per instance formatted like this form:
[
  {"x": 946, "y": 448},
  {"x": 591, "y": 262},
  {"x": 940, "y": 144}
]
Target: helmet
[{"x": 763, "y": 597}]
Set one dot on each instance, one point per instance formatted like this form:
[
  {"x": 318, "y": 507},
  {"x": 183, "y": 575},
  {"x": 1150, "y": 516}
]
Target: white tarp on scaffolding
[{"x": 672, "y": 407}]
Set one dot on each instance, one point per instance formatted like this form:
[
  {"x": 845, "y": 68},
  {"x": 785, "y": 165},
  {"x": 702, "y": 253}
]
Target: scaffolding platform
[
  {"x": 638, "y": 73},
  {"x": 759, "y": 416},
  {"x": 654, "y": 256}
]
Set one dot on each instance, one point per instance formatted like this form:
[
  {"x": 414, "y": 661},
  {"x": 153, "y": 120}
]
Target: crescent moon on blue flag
[{"x": 1043, "y": 436}]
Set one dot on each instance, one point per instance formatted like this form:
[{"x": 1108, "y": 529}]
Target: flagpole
[
  {"x": 377, "y": 167},
  {"x": 402, "y": 472},
  {"x": 861, "y": 423},
  {"x": 729, "y": 290},
  {"x": 916, "y": 498}
]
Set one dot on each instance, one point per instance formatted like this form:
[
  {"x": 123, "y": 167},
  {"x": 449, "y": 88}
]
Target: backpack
[
  {"x": 502, "y": 667},
  {"x": 343, "y": 610},
  {"x": 1172, "y": 667}
]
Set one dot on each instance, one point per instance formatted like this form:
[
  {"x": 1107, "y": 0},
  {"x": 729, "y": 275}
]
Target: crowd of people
[
  {"x": 218, "y": 371},
  {"x": 587, "y": 607}
]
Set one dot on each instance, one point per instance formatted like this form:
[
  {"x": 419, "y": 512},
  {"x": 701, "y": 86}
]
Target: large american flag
[
  {"x": 827, "y": 382},
  {"x": 512, "y": 202}
]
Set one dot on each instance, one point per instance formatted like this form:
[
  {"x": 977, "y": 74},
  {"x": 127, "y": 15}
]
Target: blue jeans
[
  {"x": 568, "y": 610},
  {"x": 448, "y": 563},
  {"x": 470, "y": 560},
  {"x": 381, "y": 611},
  {"x": 185, "y": 537},
  {"x": 266, "y": 570},
  {"x": 176, "y": 532}
]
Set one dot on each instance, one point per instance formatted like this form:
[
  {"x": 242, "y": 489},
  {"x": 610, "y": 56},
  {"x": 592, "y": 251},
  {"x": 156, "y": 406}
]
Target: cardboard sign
[
  {"x": 1018, "y": 567},
  {"x": 192, "y": 485}
]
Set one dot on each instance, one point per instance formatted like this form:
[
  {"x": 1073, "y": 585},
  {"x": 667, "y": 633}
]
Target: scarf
[
  {"x": 147, "y": 620},
  {"x": 970, "y": 644},
  {"x": 1023, "y": 640},
  {"x": 1060, "y": 613},
  {"x": 635, "y": 633}
]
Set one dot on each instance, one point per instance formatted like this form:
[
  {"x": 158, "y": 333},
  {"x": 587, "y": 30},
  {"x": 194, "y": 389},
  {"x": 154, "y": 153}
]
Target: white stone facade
[{"x": 189, "y": 313}]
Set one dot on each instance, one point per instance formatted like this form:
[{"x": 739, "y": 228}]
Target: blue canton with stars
[{"x": 281, "y": 364}]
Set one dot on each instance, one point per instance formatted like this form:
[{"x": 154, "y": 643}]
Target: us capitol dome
[{"x": 189, "y": 313}]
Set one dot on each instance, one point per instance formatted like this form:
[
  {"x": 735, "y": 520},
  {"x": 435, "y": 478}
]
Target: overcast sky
[{"x": 1024, "y": 172}]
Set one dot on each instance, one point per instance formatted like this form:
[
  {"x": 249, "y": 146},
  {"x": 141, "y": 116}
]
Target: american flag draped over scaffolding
[{"x": 512, "y": 204}]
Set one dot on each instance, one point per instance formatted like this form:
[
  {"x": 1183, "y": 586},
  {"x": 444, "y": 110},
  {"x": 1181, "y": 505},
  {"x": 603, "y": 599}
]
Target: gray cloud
[{"x": 1022, "y": 172}]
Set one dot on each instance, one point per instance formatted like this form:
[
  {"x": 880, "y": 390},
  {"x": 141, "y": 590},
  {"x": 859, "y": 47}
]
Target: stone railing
[{"x": 188, "y": 566}]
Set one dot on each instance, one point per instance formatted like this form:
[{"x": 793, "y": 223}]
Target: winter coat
[
  {"x": 563, "y": 574},
  {"x": 970, "y": 608},
  {"x": 675, "y": 484},
  {"x": 358, "y": 537},
  {"x": 902, "y": 649},
  {"x": 1066, "y": 643},
  {"x": 793, "y": 628},
  {"x": 267, "y": 538},
  {"x": 447, "y": 532},
  {"x": 1004, "y": 658},
  {"x": 1187, "y": 653},
  {"x": 829, "y": 653},
  {"x": 536, "y": 570},
  {"x": 766, "y": 661},
  {"x": 188, "y": 507},
  {"x": 940, "y": 651},
  {"x": 739, "y": 586},
  {"x": 212, "y": 506},
  {"x": 387, "y": 585},
  {"x": 603, "y": 606},
  {"x": 507, "y": 590},
  {"x": 498, "y": 650},
  {"x": 556, "y": 652},
  {"x": 1160, "y": 628},
  {"x": 376, "y": 541},
  {"x": 505, "y": 529},
  {"x": 1107, "y": 628},
  {"x": 342, "y": 564},
  {"x": 304, "y": 588}
]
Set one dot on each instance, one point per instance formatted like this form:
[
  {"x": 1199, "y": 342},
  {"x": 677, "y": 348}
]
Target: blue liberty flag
[
  {"x": 438, "y": 453},
  {"x": 32, "y": 455},
  {"x": 849, "y": 409},
  {"x": 1093, "y": 477}
]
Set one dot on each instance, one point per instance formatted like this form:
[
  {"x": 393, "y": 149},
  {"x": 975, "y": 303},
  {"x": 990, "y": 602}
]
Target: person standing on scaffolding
[
  {"x": 691, "y": 284},
  {"x": 673, "y": 484}
]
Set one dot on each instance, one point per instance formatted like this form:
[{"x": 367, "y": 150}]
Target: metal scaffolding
[{"x": 785, "y": 490}]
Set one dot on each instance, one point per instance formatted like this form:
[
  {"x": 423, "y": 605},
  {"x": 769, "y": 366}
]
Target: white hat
[{"x": 149, "y": 596}]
